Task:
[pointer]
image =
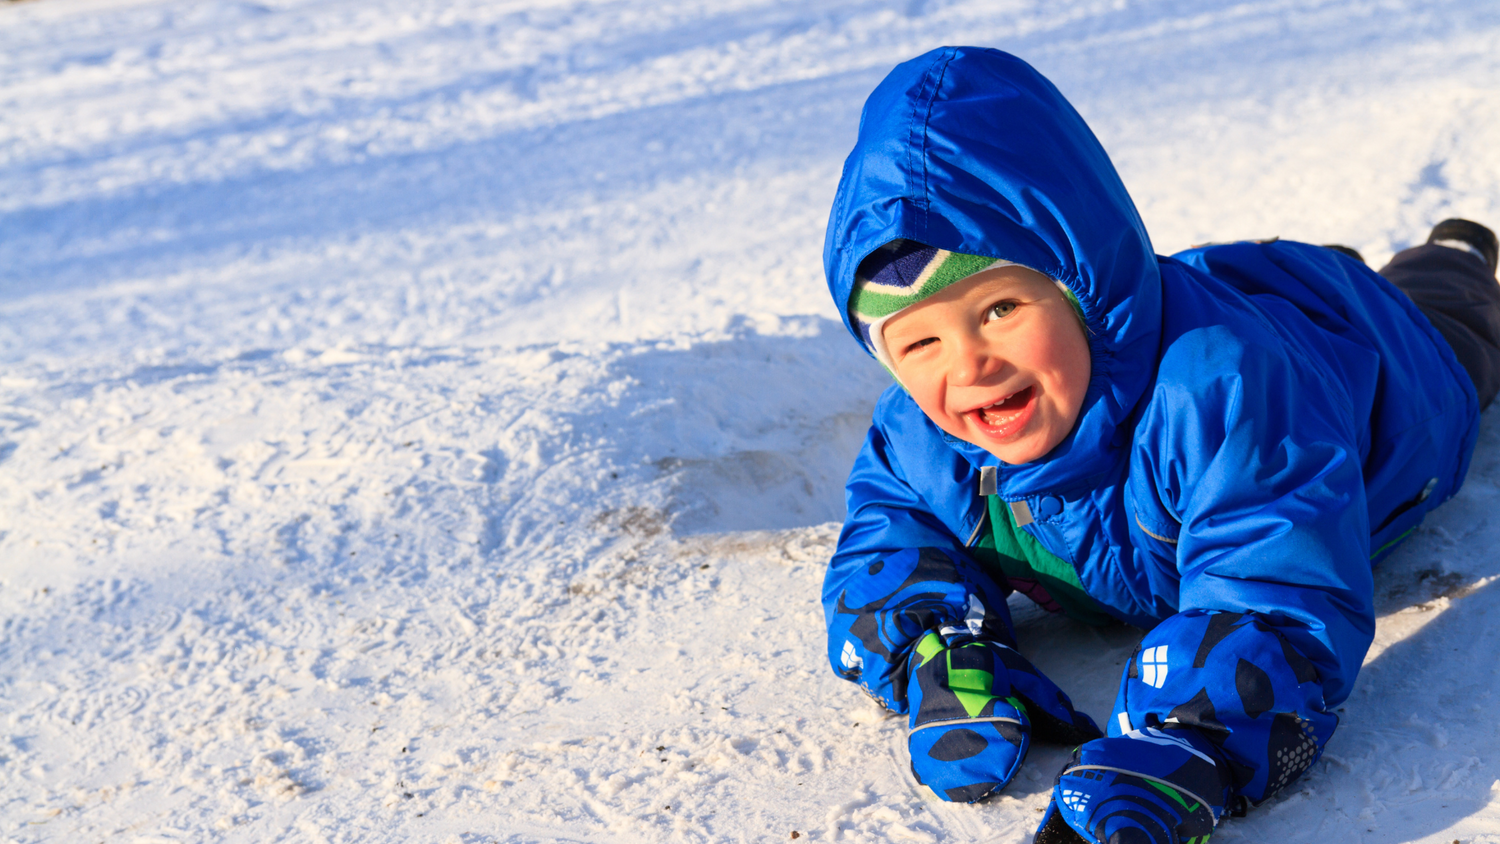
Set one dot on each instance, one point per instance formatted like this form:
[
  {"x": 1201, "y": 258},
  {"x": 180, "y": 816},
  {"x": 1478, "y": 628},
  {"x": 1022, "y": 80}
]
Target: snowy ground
[{"x": 424, "y": 420}]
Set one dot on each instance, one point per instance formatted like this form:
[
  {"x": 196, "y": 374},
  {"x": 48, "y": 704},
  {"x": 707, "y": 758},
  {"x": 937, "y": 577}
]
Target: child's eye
[{"x": 1001, "y": 310}]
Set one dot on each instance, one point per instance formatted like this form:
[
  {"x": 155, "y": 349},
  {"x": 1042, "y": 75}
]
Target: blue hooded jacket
[{"x": 1263, "y": 422}]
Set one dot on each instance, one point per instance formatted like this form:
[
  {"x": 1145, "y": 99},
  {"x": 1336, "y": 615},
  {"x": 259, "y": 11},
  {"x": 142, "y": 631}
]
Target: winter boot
[
  {"x": 1467, "y": 236},
  {"x": 1345, "y": 250}
]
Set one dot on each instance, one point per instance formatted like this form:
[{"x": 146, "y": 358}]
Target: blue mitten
[
  {"x": 973, "y": 708},
  {"x": 1151, "y": 786}
]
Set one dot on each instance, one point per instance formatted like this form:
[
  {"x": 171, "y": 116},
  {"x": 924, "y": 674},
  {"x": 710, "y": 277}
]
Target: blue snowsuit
[{"x": 1263, "y": 423}]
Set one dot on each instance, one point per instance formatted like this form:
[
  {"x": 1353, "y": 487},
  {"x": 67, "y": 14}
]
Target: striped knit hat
[{"x": 899, "y": 275}]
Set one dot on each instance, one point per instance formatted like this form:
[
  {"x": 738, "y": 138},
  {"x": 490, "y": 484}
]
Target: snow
[{"x": 426, "y": 420}]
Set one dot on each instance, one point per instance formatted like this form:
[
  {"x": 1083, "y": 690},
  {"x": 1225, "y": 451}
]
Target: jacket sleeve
[
  {"x": 1260, "y": 469},
  {"x": 897, "y": 574}
]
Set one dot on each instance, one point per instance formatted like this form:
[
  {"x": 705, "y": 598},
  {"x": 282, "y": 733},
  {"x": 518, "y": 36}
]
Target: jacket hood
[{"x": 971, "y": 150}]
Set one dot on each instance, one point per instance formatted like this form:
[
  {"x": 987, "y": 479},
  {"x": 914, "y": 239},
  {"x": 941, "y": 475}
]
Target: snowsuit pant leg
[{"x": 1461, "y": 297}]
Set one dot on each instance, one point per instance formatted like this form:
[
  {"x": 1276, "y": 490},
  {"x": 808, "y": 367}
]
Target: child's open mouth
[{"x": 1007, "y": 416}]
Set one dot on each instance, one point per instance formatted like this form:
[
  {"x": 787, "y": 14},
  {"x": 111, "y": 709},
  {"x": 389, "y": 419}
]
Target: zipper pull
[{"x": 989, "y": 481}]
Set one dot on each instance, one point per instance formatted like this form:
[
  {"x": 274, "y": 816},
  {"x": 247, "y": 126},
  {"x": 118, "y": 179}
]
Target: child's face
[{"x": 998, "y": 360}]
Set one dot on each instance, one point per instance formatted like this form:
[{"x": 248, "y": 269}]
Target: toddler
[{"x": 1215, "y": 446}]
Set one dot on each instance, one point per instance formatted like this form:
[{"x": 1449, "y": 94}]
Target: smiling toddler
[{"x": 1215, "y": 447}]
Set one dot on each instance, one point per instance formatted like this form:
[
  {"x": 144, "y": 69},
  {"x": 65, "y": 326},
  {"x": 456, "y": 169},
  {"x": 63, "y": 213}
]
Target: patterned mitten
[
  {"x": 974, "y": 706},
  {"x": 1151, "y": 786}
]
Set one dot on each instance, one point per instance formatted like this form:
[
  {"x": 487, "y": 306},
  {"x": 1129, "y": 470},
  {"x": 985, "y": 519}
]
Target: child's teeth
[
  {"x": 995, "y": 413},
  {"x": 994, "y": 416}
]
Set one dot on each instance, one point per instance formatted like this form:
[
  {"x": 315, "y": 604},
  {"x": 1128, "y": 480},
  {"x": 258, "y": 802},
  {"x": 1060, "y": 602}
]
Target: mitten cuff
[{"x": 1238, "y": 683}]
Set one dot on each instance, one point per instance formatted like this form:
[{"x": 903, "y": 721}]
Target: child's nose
[{"x": 975, "y": 362}]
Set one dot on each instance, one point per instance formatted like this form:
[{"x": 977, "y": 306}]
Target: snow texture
[{"x": 425, "y": 421}]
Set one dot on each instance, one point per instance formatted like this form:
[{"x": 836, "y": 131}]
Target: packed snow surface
[{"x": 425, "y": 420}]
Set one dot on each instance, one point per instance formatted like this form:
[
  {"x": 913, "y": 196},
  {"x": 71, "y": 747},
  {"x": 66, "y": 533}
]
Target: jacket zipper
[{"x": 988, "y": 485}]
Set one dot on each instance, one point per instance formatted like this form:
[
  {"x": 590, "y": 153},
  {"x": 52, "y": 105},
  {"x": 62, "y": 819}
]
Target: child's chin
[
  {"x": 1012, "y": 459},
  {"x": 1012, "y": 451},
  {"x": 1028, "y": 450}
]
